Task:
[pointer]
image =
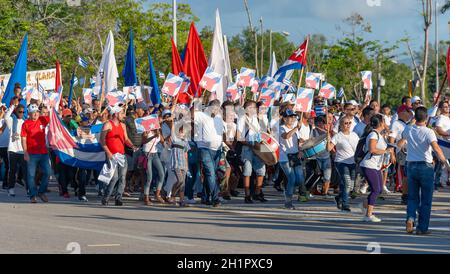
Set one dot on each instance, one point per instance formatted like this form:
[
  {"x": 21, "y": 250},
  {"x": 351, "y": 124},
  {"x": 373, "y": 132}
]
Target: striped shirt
[{"x": 178, "y": 156}]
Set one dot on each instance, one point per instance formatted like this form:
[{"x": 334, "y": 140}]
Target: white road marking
[
  {"x": 104, "y": 245},
  {"x": 147, "y": 239}
]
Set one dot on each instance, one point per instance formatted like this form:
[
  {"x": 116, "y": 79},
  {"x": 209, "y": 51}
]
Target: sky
[{"x": 390, "y": 19}]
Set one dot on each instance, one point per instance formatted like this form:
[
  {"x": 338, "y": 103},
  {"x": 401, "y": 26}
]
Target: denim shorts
[
  {"x": 325, "y": 167},
  {"x": 252, "y": 162}
]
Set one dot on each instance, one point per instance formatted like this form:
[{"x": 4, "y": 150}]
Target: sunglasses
[
  {"x": 350, "y": 109},
  {"x": 21, "y": 112},
  {"x": 347, "y": 123}
]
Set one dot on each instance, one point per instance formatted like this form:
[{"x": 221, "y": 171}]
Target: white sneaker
[
  {"x": 363, "y": 189},
  {"x": 190, "y": 202},
  {"x": 83, "y": 199},
  {"x": 11, "y": 192},
  {"x": 371, "y": 219},
  {"x": 386, "y": 190}
]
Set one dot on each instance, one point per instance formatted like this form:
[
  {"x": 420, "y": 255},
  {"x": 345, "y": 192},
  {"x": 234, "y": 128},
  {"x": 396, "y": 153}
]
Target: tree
[
  {"x": 445, "y": 7},
  {"x": 427, "y": 14}
]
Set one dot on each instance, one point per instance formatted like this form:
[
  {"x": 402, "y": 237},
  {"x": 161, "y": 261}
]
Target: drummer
[
  {"x": 443, "y": 129},
  {"x": 249, "y": 134},
  {"x": 323, "y": 159}
]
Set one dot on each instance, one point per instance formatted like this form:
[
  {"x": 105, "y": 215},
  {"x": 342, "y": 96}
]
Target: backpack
[{"x": 360, "y": 154}]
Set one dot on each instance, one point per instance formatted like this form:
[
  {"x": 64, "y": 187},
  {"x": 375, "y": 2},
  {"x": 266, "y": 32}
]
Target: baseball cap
[
  {"x": 33, "y": 108},
  {"x": 288, "y": 113},
  {"x": 353, "y": 102},
  {"x": 166, "y": 112},
  {"x": 415, "y": 99},
  {"x": 313, "y": 114},
  {"x": 66, "y": 112}
]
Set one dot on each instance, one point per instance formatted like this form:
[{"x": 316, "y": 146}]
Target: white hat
[
  {"x": 115, "y": 109},
  {"x": 33, "y": 108},
  {"x": 166, "y": 112},
  {"x": 415, "y": 99},
  {"x": 353, "y": 102}
]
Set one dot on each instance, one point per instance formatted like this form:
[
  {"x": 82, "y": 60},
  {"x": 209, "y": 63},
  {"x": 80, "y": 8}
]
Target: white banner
[{"x": 46, "y": 78}]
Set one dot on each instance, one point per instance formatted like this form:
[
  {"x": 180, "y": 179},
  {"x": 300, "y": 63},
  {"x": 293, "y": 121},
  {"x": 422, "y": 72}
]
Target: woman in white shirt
[
  {"x": 289, "y": 155},
  {"x": 345, "y": 143},
  {"x": 374, "y": 148}
]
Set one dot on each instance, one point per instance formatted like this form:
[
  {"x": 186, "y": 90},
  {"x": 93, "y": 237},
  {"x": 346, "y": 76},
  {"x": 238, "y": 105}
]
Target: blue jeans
[
  {"x": 210, "y": 160},
  {"x": 420, "y": 193},
  {"x": 294, "y": 177},
  {"x": 347, "y": 175},
  {"x": 117, "y": 182},
  {"x": 36, "y": 160},
  {"x": 153, "y": 161}
]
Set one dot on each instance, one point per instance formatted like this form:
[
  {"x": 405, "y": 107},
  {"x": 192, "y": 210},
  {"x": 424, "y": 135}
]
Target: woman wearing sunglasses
[{"x": 345, "y": 143}]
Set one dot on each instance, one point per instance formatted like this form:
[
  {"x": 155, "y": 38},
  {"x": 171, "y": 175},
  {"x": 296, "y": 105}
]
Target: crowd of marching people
[{"x": 349, "y": 150}]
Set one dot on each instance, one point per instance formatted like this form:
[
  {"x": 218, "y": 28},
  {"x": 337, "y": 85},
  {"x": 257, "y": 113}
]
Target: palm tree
[{"x": 446, "y": 7}]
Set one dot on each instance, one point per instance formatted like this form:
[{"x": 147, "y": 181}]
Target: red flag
[
  {"x": 195, "y": 64},
  {"x": 58, "y": 81},
  {"x": 448, "y": 66},
  {"x": 58, "y": 136},
  {"x": 177, "y": 66}
]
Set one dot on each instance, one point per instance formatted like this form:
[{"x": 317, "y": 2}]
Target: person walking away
[{"x": 420, "y": 143}]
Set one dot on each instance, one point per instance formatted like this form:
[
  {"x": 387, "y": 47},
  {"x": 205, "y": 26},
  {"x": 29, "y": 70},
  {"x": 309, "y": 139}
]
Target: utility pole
[
  {"x": 270, "y": 47},
  {"x": 174, "y": 20},
  {"x": 262, "y": 47},
  {"x": 437, "y": 45},
  {"x": 254, "y": 33}
]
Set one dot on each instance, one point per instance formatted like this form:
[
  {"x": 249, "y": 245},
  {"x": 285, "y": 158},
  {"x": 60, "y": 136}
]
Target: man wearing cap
[
  {"x": 35, "y": 151},
  {"x": 113, "y": 139},
  {"x": 416, "y": 102},
  {"x": 405, "y": 114},
  {"x": 136, "y": 139}
]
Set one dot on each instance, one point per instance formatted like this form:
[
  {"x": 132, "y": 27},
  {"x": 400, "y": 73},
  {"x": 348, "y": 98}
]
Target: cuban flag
[
  {"x": 313, "y": 80},
  {"x": 148, "y": 123},
  {"x": 367, "y": 79},
  {"x": 74, "y": 151},
  {"x": 233, "y": 92},
  {"x": 267, "y": 97},
  {"x": 320, "y": 110},
  {"x": 172, "y": 85},
  {"x": 255, "y": 85},
  {"x": 327, "y": 91},
  {"x": 296, "y": 61},
  {"x": 186, "y": 82},
  {"x": 288, "y": 97},
  {"x": 115, "y": 97},
  {"x": 210, "y": 80},
  {"x": 266, "y": 82},
  {"x": 82, "y": 62},
  {"x": 87, "y": 95},
  {"x": 246, "y": 77},
  {"x": 92, "y": 82},
  {"x": 305, "y": 97},
  {"x": 341, "y": 93}
]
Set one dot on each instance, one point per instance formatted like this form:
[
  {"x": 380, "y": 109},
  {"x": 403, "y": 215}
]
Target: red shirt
[
  {"x": 34, "y": 131},
  {"x": 115, "y": 139}
]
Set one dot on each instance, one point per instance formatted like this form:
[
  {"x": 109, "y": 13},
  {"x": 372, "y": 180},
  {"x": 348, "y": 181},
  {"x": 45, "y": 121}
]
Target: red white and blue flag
[
  {"x": 87, "y": 95},
  {"x": 210, "y": 80},
  {"x": 296, "y": 61},
  {"x": 115, "y": 97},
  {"x": 448, "y": 66},
  {"x": 172, "y": 85},
  {"x": 148, "y": 123},
  {"x": 367, "y": 79},
  {"x": 313, "y": 80},
  {"x": 233, "y": 92},
  {"x": 266, "y": 82},
  {"x": 305, "y": 97},
  {"x": 267, "y": 97},
  {"x": 255, "y": 85},
  {"x": 327, "y": 91},
  {"x": 186, "y": 82},
  {"x": 246, "y": 77}
]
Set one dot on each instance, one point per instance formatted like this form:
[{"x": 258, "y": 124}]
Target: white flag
[
  {"x": 108, "y": 66},
  {"x": 273, "y": 66}
]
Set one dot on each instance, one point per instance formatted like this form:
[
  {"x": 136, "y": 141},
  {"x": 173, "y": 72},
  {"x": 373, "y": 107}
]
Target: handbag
[{"x": 294, "y": 160}]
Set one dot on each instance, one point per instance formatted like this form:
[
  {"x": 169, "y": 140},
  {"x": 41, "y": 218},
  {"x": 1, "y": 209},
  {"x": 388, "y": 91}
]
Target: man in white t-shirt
[
  {"x": 209, "y": 128},
  {"x": 4, "y": 143},
  {"x": 420, "y": 143},
  {"x": 443, "y": 129},
  {"x": 349, "y": 111},
  {"x": 367, "y": 114},
  {"x": 398, "y": 126}
]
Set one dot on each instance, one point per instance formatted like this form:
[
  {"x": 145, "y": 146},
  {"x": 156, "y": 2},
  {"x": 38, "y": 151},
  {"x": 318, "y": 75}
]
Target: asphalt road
[{"x": 65, "y": 226}]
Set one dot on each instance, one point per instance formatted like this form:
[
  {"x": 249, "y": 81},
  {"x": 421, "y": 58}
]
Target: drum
[
  {"x": 314, "y": 146},
  {"x": 269, "y": 151}
]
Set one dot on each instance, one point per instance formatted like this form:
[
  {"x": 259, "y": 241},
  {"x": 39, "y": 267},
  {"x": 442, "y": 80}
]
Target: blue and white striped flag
[
  {"x": 162, "y": 75},
  {"x": 41, "y": 89},
  {"x": 235, "y": 74},
  {"x": 92, "y": 82},
  {"x": 287, "y": 82},
  {"x": 82, "y": 62},
  {"x": 341, "y": 93},
  {"x": 75, "y": 81}
]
